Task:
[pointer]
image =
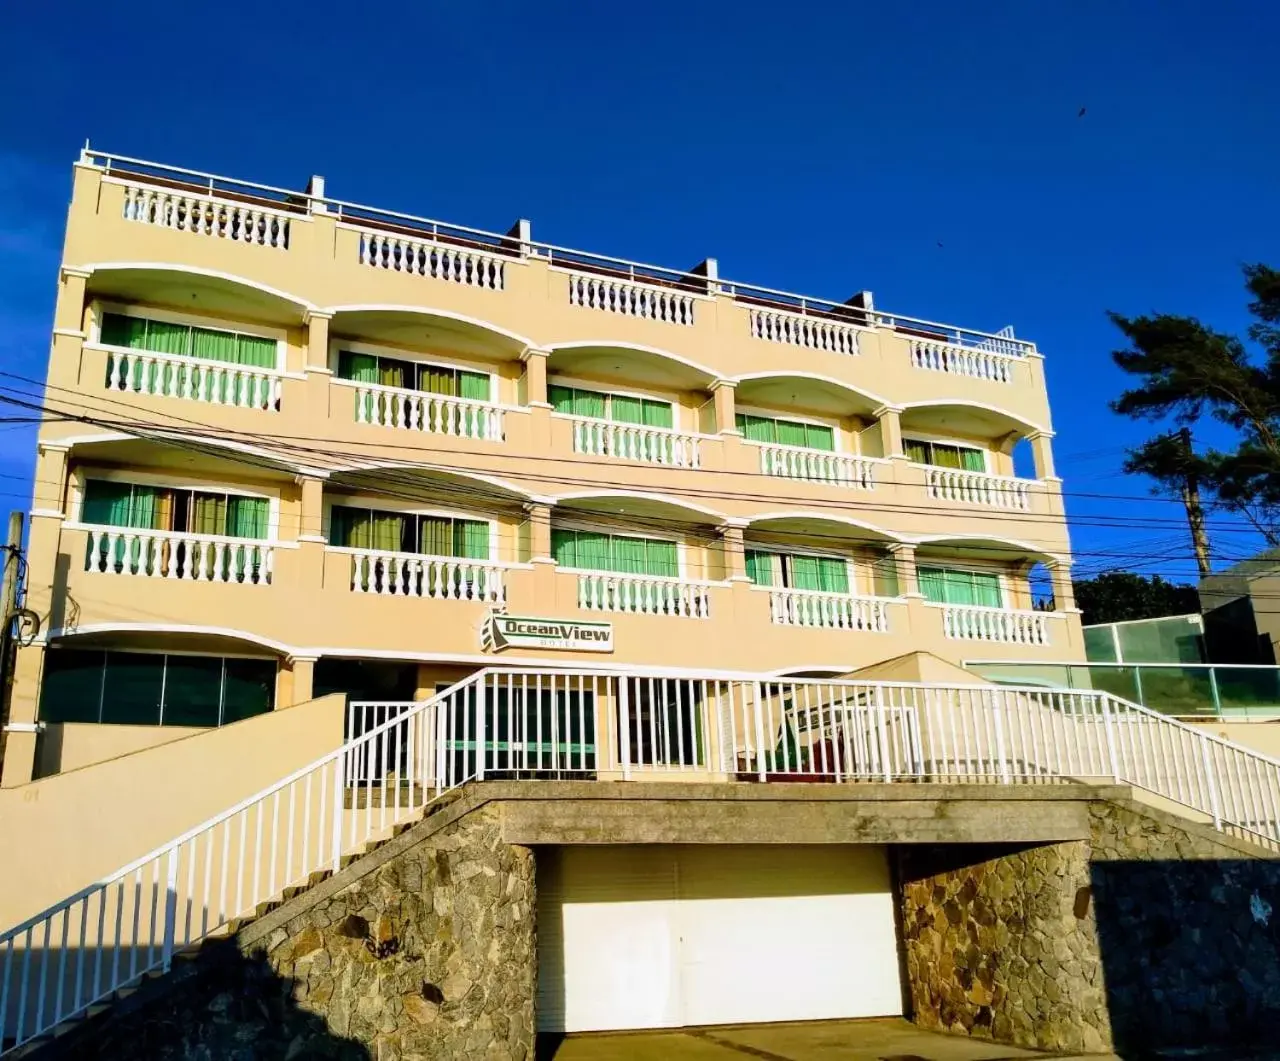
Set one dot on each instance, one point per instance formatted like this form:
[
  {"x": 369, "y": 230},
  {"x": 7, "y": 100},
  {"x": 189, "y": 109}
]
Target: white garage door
[{"x": 661, "y": 937}]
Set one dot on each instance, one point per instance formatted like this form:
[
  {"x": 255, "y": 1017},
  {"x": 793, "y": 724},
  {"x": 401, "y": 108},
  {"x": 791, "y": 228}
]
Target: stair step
[
  {"x": 262, "y": 909},
  {"x": 96, "y": 1010}
]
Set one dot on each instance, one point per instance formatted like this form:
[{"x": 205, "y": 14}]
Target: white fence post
[
  {"x": 1109, "y": 731},
  {"x": 624, "y": 726},
  {"x": 997, "y": 701},
  {"x": 761, "y": 766},
  {"x": 170, "y": 905},
  {"x": 882, "y": 724},
  {"x": 1210, "y": 776},
  {"x": 480, "y": 727},
  {"x": 339, "y": 795}
]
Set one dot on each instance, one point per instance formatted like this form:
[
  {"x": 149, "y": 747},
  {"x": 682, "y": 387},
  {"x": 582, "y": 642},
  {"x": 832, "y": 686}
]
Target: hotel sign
[{"x": 568, "y": 635}]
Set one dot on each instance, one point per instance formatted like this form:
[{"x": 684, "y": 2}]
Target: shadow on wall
[
  {"x": 227, "y": 1006},
  {"x": 1190, "y": 951}
]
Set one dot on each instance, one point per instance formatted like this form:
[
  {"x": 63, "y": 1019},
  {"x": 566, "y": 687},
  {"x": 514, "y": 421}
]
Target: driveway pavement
[{"x": 888, "y": 1039}]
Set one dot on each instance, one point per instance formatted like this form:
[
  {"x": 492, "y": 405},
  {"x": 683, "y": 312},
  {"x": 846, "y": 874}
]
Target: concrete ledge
[{"x": 541, "y": 812}]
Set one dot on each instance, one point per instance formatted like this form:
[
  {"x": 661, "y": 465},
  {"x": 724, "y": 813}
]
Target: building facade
[{"x": 294, "y": 445}]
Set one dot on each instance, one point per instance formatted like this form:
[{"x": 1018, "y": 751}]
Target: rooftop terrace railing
[{"x": 517, "y": 244}]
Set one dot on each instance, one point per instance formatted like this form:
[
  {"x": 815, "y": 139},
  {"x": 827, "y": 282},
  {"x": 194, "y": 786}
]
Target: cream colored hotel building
[{"x": 297, "y": 446}]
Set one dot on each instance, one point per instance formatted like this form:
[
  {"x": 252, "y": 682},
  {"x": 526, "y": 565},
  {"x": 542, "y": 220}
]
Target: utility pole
[
  {"x": 1195, "y": 510},
  {"x": 8, "y": 615}
]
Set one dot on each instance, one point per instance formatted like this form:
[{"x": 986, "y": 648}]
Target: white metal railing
[
  {"x": 206, "y": 215},
  {"x": 974, "y": 361},
  {"x": 179, "y": 555},
  {"x": 966, "y": 622},
  {"x": 389, "y": 574},
  {"x": 630, "y": 298},
  {"x": 398, "y": 758},
  {"x": 634, "y": 442},
  {"x": 978, "y": 488},
  {"x": 294, "y": 204},
  {"x": 436, "y": 414},
  {"x": 798, "y": 329},
  {"x": 819, "y": 466},
  {"x": 174, "y": 376},
  {"x": 442, "y": 261},
  {"x": 644, "y": 594},
  {"x": 834, "y": 611},
  {"x": 107, "y": 936}
]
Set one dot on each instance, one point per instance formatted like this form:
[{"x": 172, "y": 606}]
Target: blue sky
[{"x": 817, "y": 148}]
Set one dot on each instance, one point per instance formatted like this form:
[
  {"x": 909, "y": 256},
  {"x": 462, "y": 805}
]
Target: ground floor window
[
  {"x": 944, "y": 585},
  {"x": 154, "y": 688}
]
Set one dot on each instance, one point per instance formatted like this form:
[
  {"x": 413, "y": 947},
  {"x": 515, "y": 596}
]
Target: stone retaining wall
[
  {"x": 1154, "y": 933},
  {"x": 430, "y": 954}
]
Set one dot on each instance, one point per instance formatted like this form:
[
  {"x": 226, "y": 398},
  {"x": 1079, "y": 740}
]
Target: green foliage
[
  {"x": 1186, "y": 371},
  {"x": 1122, "y": 595}
]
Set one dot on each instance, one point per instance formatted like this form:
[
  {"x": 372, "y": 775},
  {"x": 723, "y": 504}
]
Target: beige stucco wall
[
  {"x": 64, "y": 832},
  {"x": 65, "y": 746}
]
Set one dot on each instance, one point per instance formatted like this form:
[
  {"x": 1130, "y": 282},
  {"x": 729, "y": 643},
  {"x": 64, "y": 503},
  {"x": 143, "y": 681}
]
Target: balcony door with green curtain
[
  {"x": 603, "y": 405},
  {"x": 823, "y": 574},
  {"x": 942, "y": 585},
  {"x": 782, "y": 432},
  {"x": 446, "y": 537},
  {"x": 625, "y": 554},
  {"x": 945, "y": 455}
]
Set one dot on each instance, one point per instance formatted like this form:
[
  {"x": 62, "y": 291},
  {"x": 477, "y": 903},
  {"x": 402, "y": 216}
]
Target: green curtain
[
  {"x": 208, "y": 513},
  {"x": 593, "y": 551},
  {"x": 129, "y": 332},
  {"x": 589, "y": 403},
  {"x": 360, "y": 368},
  {"x": 833, "y": 575},
  {"x": 804, "y": 572},
  {"x": 972, "y": 460},
  {"x": 247, "y": 517},
  {"x": 436, "y": 380},
  {"x": 946, "y": 456},
  {"x": 662, "y": 558},
  {"x": 165, "y": 338},
  {"x": 760, "y": 567},
  {"x": 658, "y": 414},
  {"x": 564, "y": 546},
  {"x": 435, "y": 536},
  {"x": 471, "y": 539},
  {"x": 916, "y": 450},
  {"x": 986, "y": 590},
  {"x": 933, "y": 584},
  {"x": 256, "y": 351},
  {"x": 791, "y": 434},
  {"x": 473, "y": 385},
  {"x": 388, "y": 531},
  {"x": 757, "y": 428},
  {"x": 628, "y": 555},
  {"x": 211, "y": 345},
  {"x": 625, "y": 409},
  {"x": 817, "y": 436},
  {"x": 107, "y": 504},
  {"x": 394, "y": 373},
  {"x": 561, "y": 398},
  {"x": 959, "y": 587},
  {"x": 341, "y": 522}
]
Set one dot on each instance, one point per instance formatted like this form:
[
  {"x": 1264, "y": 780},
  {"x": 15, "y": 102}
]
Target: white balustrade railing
[
  {"x": 388, "y": 574},
  {"x": 442, "y": 261},
  {"x": 178, "y": 555},
  {"x": 213, "y": 382},
  {"x": 971, "y": 361},
  {"x": 833, "y": 611},
  {"x": 966, "y": 622},
  {"x": 817, "y": 333},
  {"x": 644, "y": 594},
  {"x": 635, "y": 442},
  {"x": 819, "y": 466},
  {"x": 630, "y": 298},
  {"x": 399, "y": 758},
  {"x": 207, "y": 216},
  {"x": 978, "y": 488},
  {"x": 436, "y": 414}
]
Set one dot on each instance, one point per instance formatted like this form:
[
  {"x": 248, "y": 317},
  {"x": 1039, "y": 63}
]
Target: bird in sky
[{"x": 1082, "y": 110}]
